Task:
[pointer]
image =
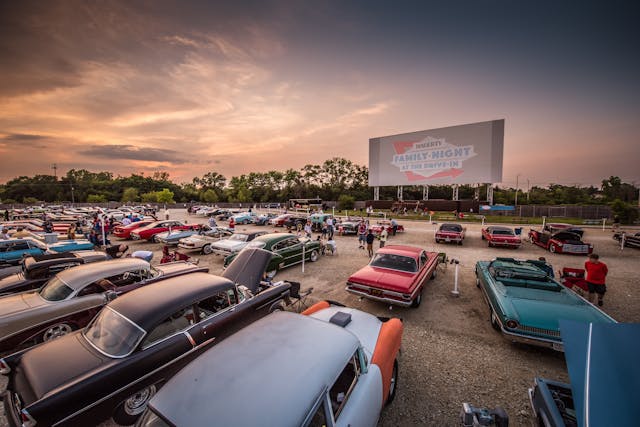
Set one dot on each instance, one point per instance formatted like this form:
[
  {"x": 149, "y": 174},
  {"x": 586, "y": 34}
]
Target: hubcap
[
  {"x": 136, "y": 403},
  {"x": 56, "y": 332}
]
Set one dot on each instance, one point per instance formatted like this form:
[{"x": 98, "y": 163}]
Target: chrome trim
[
  {"x": 369, "y": 296},
  {"x": 190, "y": 338}
]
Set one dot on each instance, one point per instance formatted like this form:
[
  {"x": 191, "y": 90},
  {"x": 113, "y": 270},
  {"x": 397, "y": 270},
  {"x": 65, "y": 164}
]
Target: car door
[{"x": 290, "y": 250}]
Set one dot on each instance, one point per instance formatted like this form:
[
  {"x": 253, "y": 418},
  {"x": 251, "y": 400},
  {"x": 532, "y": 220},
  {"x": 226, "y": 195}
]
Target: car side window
[
  {"x": 20, "y": 246},
  {"x": 319, "y": 418},
  {"x": 423, "y": 259},
  {"x": 97, "y": 287},
  {"x": 217, "y": 303},
  {"x": 177, "y": 322},
  {"x": 341, "y": 389}
]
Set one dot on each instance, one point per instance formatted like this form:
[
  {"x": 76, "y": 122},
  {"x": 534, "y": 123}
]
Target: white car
[{"x": 233, "y": 244}]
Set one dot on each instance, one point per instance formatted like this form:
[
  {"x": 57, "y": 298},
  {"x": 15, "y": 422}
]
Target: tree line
[{"x": 334, "y": 179}]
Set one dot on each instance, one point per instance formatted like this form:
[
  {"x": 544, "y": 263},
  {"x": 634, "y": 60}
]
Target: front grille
[{"x": 539, "y": 331}]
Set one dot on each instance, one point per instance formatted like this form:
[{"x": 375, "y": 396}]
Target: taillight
[
  {"x": 4, "y": 367},
  {"x": 511, "y": 324}
]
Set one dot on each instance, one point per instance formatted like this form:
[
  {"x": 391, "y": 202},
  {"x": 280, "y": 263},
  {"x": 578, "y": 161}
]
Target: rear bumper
[
  {"x": 537, "y": 341},
  {"x": 506, "y": 244},
  {"x": 449, "y": 238},
  {"x": 382, "y": 295}
]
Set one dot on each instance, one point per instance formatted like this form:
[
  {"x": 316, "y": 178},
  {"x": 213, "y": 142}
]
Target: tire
[
  {"x": 437, "y": 240},
  {"x": 314, "y": 256},
  {"x": 272, "y": 273},
  {"x": 434, "y": 273},
  {"x": 482, "y": 236},
  {"x": 131, "y": 408},
  {"x": 460, "y": 243},
  {"x": 245, "y": 222},
  {"x": 490, "y": 244},
  {"x": 276, "y": 308},
  {"x": 477, "y": 282},
  {"x": 206, "y": 249},
  {"x": 416, "y": 302},
  {"x": 494, "y": 321},
  {"x": 154, "y": 239},
  {"x": 56, "y": 331},
  {"x": 552, "y": 248},
  {"x": 393, "y": 385}
]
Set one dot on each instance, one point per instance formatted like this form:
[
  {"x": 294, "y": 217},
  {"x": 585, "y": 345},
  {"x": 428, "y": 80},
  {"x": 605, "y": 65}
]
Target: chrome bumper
[{"x": 402, "y": 303}]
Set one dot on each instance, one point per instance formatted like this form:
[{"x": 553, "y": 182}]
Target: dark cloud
[
  {"x": 23, "y": 137},
  {"x": 131, "y": 152}
]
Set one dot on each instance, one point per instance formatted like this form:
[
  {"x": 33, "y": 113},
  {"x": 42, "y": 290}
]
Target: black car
[
  {"x": 630, "y": 240},
  {"x": 36, "y": 270},
  {"x": 132, "y": 347},
  {"x": 295, "y": 221}
]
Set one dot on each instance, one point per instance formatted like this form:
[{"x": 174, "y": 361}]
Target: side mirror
[{"x": 110, "y": 295}]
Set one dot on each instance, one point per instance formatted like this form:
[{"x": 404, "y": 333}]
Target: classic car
[
  {"x": 36, "y": 270},
  {"x": 130, "y": 349},
  {"x": 602, "y": 364},
  {"x": 496, "y": 235},
  {"x": 341, "y": 368},
  {"x": 385, "y": 224},
  {"x": 552, "y": 227},
  {"x": 174, "y": 237},
  {"x": 280, "y": 220},
  {"x": 70, "y": 245},
  {"x": 72, "y": 297},
  {"x": 318, "y": 220},
  {"x": 348, "y": 225},
  {"x": 224, "y": 214},
  {"x": 286, "y": 250},
  {"x": 263, "y": 219},
  {"x": 244, "y": 218},
  {"x": 124, "y": 231},
  {"x": 233, "y": 244},
  {"x": 526, "y": 304},
  {"x": 12, "y": 250},
  {"x": 562, "y": 242},
  {"x": 449, "y": 232},
  {"x": 630, "y": 240},
  {"x": 150, "y": 231},
  {"x": 295, "y": 221},
  {"x": 396, "y": 274},
  {"x": 202, "y": 241}
]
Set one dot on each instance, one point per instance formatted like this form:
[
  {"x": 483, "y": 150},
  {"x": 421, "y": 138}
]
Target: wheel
[
  {"x": 154, "y": 239},
  {"x": 277, "y": 307},
  {"x": 490, "y": 244},
  {"x": 416, "y": 302},
  {"x": 437, "y": 240},
  {"x": 434, "y": 273},
  {"x": 314, "y": 256},
  {"x": 271, "y": 273},
  {"x": 482, "y": 236},
  {"x": 56, "y": 331},
  {"x": 206, "y": 249},
  {"x": 129, "y": 410},
  {"x": 552, "y": 248},
  {"x": 245, "y": 222},
  {"x": 460, "y": 243},
  {"x": 477, "y": 282},
  {"x": 393, "y": 384},
  {"x": 494, "y": 321}
]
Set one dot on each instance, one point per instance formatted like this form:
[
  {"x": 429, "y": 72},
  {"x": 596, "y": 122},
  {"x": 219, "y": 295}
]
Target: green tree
[
  {"x": 96, "y": 198},
  {"x": 150, "y": 197},
  {"x": 165, "y": 196},
  {"x": 209, "y": 196},
  {"x": 346, "y": 202},
  {"x": 29, "y": 200},
  {"x": 130, "y": 194}
]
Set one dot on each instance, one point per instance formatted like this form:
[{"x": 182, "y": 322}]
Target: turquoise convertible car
[{"x": 526, "y": 304}]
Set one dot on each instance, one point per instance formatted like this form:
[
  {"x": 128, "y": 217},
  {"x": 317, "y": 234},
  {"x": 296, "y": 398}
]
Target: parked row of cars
[{"x": 149, "y": 326}]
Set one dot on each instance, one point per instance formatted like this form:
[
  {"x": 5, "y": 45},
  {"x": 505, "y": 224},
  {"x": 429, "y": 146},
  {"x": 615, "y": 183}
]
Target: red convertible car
[
  {"x": 280, "y": 220},
  {"x": 396, "y": 274},
  {"x": 377, "y": 228},
  {"x": 149, "y": 231},
  {"x": 501, "y": 236},
  {"x": 124, "y": 231},
  {"x": 450, "y": 233},
  {"x": 562, "y": 242}
]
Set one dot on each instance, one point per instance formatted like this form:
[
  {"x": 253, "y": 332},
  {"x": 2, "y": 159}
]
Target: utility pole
[
  {"x": 55, "y": 170},
  {"x": 516, "y": 202},
  {"x": 528, "y": 189}
]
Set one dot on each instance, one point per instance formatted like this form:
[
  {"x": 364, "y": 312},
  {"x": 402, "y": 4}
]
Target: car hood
[
  {"x": 176, "y": 267},
  {"x": 7, "y": 283},
  {"x": 545, "y": 313},
  {"x": 73, "y": 358},
  {"x": 383, "y": 278}
]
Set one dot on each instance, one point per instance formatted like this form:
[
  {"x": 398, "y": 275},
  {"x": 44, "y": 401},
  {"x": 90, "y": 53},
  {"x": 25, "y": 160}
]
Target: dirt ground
[{"x": 450, "y": 353}]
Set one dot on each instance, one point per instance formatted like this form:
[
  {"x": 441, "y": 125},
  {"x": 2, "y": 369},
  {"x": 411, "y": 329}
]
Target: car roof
[
  {"x": 77, "y": 277},
  {"x": 250, "y": 366},
  {"x": 149, "y": 305},
  {"x": 274, "y": 237},
  {"x": 410, "y": 251}
]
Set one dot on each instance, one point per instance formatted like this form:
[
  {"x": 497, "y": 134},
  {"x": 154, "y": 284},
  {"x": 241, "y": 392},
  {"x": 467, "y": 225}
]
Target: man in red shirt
[{"x": 596, "y": 274}]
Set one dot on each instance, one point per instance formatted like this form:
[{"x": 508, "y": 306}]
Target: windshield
[
  {"x": 256, "y": 244},
  {"x": 55, "y": 290},
  {"x": 113, "y": 334},
  {"x": 395, "y": 262},
  {"x": 239, "y": 237}
]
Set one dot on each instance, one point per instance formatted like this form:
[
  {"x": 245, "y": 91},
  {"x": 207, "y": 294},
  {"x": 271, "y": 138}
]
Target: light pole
[{"x": 517, "y": 178}]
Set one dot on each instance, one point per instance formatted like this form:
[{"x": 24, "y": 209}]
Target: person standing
[
  {"x": 370, "y": 238},
  {"x": 383, "y": 236},
  {"x": 394, "y": 226},
  {"x": 362, "y": 234},
  {"x": 212, "y": 222},
  {"x": 330, "y": 228},
  {"x": 595, "y": 278},
  {"x": 232, "y": 224},
  {"x": 307, "y": 229}
]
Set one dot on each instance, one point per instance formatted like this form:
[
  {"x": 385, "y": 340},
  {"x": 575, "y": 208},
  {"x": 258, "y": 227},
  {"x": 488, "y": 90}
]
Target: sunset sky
[{"x": 236, "y": 87}]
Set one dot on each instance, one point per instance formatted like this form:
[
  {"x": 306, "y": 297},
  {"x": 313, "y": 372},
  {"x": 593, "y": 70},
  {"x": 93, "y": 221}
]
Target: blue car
[
  {"x": 71, "y": 245},
  {"x": 12, "y": 250},
  {"x": 244, "y": 218}
]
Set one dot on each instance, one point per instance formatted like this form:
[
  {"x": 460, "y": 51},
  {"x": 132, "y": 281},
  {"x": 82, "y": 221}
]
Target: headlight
[{"x": 511, "y": 324}]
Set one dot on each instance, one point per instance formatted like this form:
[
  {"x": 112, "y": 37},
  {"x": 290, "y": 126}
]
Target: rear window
[
  {"x": 451, "y": 227},
  {"x": 395, "y": 262}
]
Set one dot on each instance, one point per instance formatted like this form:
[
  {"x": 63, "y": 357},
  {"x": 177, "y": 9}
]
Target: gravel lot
[{"x": 450, "y": 353}]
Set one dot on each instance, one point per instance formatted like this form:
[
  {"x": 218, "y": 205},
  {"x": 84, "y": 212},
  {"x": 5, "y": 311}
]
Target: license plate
[
  {"x": 557, "y": 346},
  {"x": 376, "y": 292},
  {"x": 447, "y": 239}
]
